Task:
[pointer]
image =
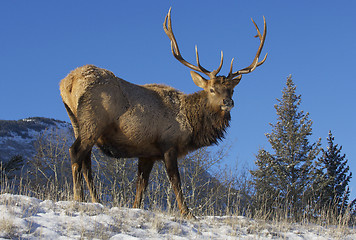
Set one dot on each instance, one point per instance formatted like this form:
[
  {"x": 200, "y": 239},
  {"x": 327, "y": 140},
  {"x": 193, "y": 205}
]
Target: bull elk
[{"x": 149, "y": 122}]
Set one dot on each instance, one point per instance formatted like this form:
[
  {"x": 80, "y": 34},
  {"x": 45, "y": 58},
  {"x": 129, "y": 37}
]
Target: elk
[{"x": 150, "y": 122}]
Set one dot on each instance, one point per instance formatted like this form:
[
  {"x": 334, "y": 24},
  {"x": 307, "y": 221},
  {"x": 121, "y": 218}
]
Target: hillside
[
  {"x": 30, "y": 218},
  {"x": 17, "y": 137}
]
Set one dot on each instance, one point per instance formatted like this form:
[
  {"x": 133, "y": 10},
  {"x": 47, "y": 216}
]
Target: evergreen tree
[
  {"x": 283, "y": 179},
  {"x": 332, "y": 178}
]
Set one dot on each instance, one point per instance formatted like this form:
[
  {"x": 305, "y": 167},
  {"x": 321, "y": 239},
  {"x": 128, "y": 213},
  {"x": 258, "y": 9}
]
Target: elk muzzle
[{"x": 228, "y": 104}]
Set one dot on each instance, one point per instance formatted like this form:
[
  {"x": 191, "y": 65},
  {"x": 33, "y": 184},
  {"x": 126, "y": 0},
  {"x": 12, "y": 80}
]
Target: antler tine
[
  {"x": 221, "y": 63},
  {"x": 201, "y": 68},
  {"x": 176, "y": 53},
  {"x": 213, "y": 73},
  {"x": 255, "y": 63},
  {"x": 232, "y": 61}
]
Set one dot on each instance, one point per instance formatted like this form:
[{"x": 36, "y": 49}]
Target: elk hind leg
[
  {"x": 90, "y": 119},
  {"x": 143, "y": 173},
  {"x": 88, "y": 176},
  {"x": 73, "y": 120},
  {"x": 76, "y": 161}
]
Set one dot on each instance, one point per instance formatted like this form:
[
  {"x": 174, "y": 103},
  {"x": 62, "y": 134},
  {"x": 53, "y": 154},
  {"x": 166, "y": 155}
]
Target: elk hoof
[{"x": 189, "y": 215}]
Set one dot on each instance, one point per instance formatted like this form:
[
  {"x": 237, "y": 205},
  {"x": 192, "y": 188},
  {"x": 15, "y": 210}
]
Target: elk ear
[
  {"x": 236, "y": 80},
  {"x": 199, "y": 80}
]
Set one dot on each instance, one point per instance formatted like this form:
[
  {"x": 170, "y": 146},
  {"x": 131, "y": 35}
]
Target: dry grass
[{"x": 8, "y": 227}]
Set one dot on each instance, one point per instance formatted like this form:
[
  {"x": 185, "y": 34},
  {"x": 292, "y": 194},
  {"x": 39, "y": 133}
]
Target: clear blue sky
[{"x": 42, "y": 41}]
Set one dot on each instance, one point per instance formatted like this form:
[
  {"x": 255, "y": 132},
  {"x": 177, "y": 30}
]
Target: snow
[
  {"x": 28, "y": 120},
  {"x": 25, "y": 217}
]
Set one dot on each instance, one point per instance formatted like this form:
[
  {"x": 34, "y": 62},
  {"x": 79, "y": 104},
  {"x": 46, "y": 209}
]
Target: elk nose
[{"x": 228, "y": 102}]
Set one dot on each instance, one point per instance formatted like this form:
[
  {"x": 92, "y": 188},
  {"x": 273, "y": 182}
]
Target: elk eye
[{"x": 212, "y": 90}]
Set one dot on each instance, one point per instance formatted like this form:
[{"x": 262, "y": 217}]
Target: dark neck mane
[{"x": 209, "y": 126}]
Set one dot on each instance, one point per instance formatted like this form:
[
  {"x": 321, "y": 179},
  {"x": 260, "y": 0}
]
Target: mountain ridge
[{"x": 17, "y": 137}]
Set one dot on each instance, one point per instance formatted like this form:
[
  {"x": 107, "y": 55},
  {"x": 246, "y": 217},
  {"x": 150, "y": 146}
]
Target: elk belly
[{"x": 127, "y": 141}]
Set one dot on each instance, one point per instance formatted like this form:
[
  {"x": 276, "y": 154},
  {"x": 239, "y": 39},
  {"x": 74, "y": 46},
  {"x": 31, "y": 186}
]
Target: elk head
[{"x": 219, "y": 89}]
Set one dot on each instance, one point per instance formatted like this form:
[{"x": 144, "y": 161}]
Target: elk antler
[
  {"x": 176, "y": 53},
  {"x": 255, "y": 62}
]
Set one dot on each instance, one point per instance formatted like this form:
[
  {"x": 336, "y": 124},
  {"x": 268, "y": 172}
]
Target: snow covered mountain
[{"x": 17, "y": 138}]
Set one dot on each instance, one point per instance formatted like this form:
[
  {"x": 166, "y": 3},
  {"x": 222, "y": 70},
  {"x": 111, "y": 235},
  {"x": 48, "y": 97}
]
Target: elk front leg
[
  {"x": 144, "y": 169},
  {"x": 170, "y": 160}
]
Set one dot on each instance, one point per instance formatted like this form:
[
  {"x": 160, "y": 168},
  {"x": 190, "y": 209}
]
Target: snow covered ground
[{"x": 23, "y": 217}]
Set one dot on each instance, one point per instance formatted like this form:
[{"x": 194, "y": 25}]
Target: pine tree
[
  {"x": 283, "y": 179},
  {"x": 332, "y": 178}
]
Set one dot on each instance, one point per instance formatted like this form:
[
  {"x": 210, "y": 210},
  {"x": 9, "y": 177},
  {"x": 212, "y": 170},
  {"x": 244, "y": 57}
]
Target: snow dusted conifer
[
  {"x": 283, "y": 179},
  {"x": 332, "y": 178}
]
